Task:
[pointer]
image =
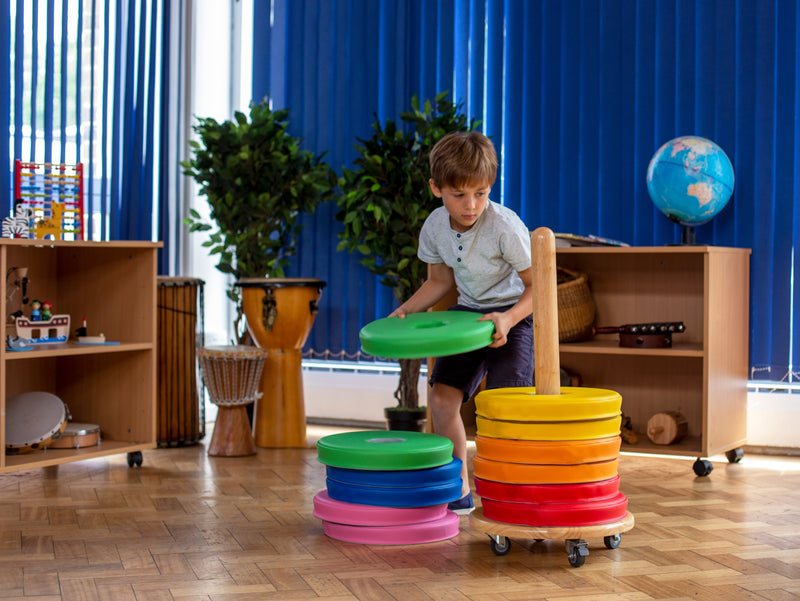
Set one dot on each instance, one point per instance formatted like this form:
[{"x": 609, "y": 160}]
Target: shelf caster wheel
[
  {"x": 135, "y": 459},
  {"x": 613, "y": 541},
  {"x": 577, "y": 550},
  {"x": 702, "y": 467},
  {"x": 500, "y": 544},
  {"x": 735, "y": 455}
]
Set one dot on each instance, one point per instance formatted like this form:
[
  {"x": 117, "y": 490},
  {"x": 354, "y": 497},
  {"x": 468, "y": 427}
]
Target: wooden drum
[
  {"x": 279, "y": 314},
  {"x": 232, "y": 375},
  {"x": 181, "y": 417}
]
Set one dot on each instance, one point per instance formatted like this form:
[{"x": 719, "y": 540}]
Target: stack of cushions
[
  {"x": 549, "y": 460},
  {"x": 388, "y": 487}
]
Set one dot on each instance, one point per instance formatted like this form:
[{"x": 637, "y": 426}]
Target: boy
[{"x": 484, "y": 249}]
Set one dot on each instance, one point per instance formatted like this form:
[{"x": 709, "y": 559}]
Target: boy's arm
[
  {"x": 440, "y": 281},
  {"x": 506, "y": 320}
]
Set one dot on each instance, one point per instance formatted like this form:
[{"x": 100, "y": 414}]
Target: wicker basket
[{"x": 576, "y": 309}]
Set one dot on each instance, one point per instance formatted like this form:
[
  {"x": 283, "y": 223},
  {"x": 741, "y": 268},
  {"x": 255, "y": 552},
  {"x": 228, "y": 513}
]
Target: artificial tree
[
  {"x": 257, "y": 181},
  {"x": 386, "y": 198}
]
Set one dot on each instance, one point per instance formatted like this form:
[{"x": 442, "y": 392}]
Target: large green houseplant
[
  {"x": 257, "y": 181},
  {"x": 386, "y": 198}
]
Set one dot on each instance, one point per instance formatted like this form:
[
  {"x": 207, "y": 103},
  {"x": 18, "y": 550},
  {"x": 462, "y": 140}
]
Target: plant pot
[{"x": 409, "y": 420}]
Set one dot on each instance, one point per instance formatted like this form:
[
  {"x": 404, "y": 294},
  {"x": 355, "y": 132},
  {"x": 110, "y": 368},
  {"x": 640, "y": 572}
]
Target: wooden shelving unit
[
  {"x": 113, "y": 286},
  {"x": 704, "y": 374}
]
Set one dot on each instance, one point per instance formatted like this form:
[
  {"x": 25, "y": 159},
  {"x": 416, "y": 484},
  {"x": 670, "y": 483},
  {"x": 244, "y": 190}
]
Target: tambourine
[
  {"x": 33, "y": 420},
  {"x": 77, "y": 435},
  {"x": 429, "y": 334}
]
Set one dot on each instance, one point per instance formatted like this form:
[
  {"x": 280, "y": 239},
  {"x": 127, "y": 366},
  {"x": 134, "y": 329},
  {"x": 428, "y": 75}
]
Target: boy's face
[{"x": 464, "y": 204}]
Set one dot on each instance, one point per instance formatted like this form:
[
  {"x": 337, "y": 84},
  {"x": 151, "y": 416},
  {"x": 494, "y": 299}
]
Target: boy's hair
[{"x": 463, "y": 158}]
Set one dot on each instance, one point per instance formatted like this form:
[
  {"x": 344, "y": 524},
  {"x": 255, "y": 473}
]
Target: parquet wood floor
[{"x": 189, "y": 527}]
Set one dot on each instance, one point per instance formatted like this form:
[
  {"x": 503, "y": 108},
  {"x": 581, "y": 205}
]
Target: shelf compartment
[
  {"x": 67, "y": 350},
  {"x": 48, "y": 457}
]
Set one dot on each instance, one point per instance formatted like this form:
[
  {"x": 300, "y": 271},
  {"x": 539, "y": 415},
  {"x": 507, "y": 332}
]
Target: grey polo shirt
[{"x": 485, "y": 259}]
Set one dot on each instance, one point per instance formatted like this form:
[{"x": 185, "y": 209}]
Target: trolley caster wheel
[
  {"x": 613, "y": 541},
  {"x": 577, "y": 552},
  {"x": 702, "y": 467},
  {"x": 500, "y": 544},
  {"x": 135, "y": 459},
  {"x": 735, "y": 455}
]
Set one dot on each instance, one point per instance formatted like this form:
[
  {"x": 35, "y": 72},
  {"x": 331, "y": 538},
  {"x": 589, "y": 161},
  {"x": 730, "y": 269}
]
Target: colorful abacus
[{"x": 388, "y": 487}]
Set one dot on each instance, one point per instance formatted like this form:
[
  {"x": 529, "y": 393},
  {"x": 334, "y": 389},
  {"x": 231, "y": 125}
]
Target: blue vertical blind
[
  {"x": 577, "y": 96},
  {"x": 93, "y": 81}
]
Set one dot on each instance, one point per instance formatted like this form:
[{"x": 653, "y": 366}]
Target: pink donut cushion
[
  {"x": 341, "y": 512},
  {"x": 406, "y": 534}
]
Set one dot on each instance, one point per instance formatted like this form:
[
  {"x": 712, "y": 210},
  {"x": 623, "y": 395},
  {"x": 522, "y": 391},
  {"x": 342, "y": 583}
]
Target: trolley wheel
[
  {"x": 735, "y": 455},
  {"x": 500, "y": 544},
  {"x": 702, "y": 467},
  {"x": 135, "y": 459},
  {"x": 613, "y": 541},
  {"x": 577, "y": 550}
]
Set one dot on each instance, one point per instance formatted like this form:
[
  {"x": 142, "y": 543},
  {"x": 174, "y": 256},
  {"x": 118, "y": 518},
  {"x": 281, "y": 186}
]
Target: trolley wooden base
[{"x": 574, "y": 536}]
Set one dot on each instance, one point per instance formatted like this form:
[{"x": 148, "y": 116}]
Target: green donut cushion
[
  {"x": 429, "y": 334},
  {"x": 385, "y": 450}
]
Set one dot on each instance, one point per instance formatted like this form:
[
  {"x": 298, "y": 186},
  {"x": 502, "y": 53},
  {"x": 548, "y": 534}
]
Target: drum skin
[
  {"x": 33, "y": 419},
  {"x": 279, "y": 419}
]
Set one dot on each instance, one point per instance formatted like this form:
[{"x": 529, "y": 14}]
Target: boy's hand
[
  {"x": 502, "y": 324},
  {"x": 398, "y": 313}
]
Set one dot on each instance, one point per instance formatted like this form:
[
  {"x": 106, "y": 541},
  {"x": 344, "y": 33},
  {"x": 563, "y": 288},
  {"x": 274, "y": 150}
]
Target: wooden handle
[{"x": 545, "y": 312}]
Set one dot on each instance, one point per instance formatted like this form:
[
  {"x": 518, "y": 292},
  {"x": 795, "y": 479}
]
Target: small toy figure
[
  {"x": 47, "y": 311},
  {"x": 36, "y": 314}
]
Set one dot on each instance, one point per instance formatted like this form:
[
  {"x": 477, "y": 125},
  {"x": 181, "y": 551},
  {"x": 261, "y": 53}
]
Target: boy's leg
[{"x": 445, "y": 402}]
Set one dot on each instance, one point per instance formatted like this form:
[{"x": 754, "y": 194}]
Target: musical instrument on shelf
[
  {"x": 33, "y": 421},
  {"x": 645, "y": 335}
]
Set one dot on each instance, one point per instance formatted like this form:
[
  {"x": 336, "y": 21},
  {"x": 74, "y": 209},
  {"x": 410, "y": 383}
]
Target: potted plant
[
  {"x": 385, "y": 200},
  {"x": 257, "y": 181}
]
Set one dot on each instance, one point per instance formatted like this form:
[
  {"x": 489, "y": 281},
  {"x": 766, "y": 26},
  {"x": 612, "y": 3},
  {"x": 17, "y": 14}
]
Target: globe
[{"x": 690, "y": 180}]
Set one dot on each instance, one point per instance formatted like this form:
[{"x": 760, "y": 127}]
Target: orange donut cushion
[
  {"x": 525, "y": 473},
  {"x": 562, "y": 452}
]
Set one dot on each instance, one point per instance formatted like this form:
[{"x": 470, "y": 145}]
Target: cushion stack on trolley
[{"x": 549, "y": 460}]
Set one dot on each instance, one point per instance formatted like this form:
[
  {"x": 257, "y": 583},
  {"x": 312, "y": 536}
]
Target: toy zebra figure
[{"x": 18, "y": 226}]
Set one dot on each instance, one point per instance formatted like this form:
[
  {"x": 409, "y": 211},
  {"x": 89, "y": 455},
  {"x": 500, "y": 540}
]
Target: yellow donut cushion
[
  {"x": 572, "y": 430},
  {"x": 524, "y": 405}
]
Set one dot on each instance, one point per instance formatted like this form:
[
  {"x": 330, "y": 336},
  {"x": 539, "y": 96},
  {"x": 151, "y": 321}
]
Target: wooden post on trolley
[{"x": 545, "y": 312}]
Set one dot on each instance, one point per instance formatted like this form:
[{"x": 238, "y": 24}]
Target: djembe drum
[
  {"x": 232, "y": 375},
  {"x": 279, "y": 314},
  {"x": 181, "y": 416}
]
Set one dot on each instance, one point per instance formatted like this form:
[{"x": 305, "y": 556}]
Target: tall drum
[
  {"x": 181, "y": 416},
  {"x": 279, "y": 314}
]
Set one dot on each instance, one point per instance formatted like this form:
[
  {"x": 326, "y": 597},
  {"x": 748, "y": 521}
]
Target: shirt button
[
  {"x": 459, "y": 259},
  {"x": 458, "y": 235},
  {"x": 460, "y": 248}
]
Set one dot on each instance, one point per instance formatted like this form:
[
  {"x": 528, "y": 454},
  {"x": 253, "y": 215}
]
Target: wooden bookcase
[
  {"x": 113, "y": 286},
  {"x": 704, "y": 374}
]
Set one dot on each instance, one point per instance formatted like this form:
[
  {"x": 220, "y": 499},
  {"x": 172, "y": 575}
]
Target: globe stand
[{"x": 688, "y": 237}]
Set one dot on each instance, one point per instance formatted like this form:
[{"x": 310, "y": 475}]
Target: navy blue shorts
[{"x": 510, "y": 365}]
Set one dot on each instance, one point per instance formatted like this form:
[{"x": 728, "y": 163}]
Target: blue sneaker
[{"x": 463, "y": 506}]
